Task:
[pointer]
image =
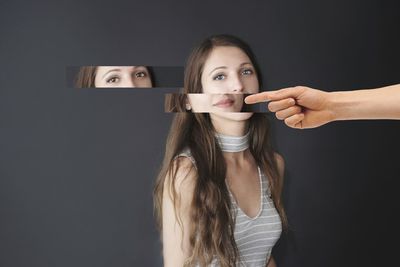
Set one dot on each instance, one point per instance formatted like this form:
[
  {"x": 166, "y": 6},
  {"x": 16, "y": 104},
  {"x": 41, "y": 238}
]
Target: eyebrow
[
  {"x": 110, "y": 71},
  {"x": 224, "y": 67},
  {"x": 118, "y": 69}
]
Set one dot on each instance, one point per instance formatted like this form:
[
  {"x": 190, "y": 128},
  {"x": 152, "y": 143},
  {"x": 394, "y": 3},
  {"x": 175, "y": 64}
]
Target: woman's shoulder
[
  {"x": 182, "y": 172},
  {"x": 186, "y": 153}
]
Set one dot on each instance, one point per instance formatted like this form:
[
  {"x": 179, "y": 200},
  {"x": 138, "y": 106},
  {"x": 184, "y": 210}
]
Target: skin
[
  {"x": 226, "y": 76},
  {"x": 271, "y": 263},
  {"x": 242, "y": 176},
  {"x": 122, "y": 76},
  {"x": 303, "y": 107},
  {"x": 215, "y": 103}
]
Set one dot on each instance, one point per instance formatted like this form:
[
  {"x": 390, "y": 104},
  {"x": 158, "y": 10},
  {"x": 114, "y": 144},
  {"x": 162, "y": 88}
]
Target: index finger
[
  {"x": 257, "y": 98},
  {"x": 293, "y": 92}
]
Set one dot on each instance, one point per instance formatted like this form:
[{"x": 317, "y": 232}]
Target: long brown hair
[
  {"x": 85, "y": 77},
  {"x": 212, "y": 228}
]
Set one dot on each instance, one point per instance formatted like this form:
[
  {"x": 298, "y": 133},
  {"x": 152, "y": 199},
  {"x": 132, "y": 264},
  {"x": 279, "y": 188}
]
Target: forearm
[{"x": 381, "y": 103}]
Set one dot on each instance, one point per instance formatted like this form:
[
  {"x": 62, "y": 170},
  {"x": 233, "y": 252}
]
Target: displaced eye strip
[{"x": 115, "y": 77}]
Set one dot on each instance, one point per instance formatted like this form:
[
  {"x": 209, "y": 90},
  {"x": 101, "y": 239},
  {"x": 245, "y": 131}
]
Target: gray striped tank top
[{"x": 255, "y": 237}]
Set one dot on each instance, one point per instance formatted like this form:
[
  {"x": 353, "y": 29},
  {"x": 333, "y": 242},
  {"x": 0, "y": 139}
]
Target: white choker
[{"x": 233, "y": 143}]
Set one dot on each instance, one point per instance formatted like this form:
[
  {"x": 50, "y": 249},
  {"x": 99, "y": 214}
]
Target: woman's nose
[
  {"x": 128, "y": 83},
  {"x": 236, "y": 84}
]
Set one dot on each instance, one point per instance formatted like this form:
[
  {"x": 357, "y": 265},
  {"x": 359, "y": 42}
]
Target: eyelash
[
  {"x": 141, "y": 72},
  {"x": 112, "y": 78},
  {"x": 250, "y": 70},
  {"x": 215, "y": 78},
  {"x": 116, "y": 79}
]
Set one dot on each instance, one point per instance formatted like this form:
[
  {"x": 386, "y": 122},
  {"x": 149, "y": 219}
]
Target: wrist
[
  {"x": 342, "y": 105},
  {"x": 333, "y": 103}
]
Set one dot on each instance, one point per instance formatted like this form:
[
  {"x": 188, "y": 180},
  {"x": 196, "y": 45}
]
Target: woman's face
[
  {"x": 122, "y": 76},
  {"x": 228, "y": 73}
]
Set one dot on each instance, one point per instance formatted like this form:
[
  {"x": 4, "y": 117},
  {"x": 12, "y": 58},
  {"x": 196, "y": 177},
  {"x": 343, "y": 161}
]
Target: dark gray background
[{"x": 77, "y": 166}]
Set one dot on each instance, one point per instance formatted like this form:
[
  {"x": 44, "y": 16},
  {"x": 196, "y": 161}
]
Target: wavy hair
[{"x": 211, "y": 232}]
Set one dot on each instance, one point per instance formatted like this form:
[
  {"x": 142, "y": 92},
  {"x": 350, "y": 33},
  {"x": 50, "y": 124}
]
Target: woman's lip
[{"x": 224, "y": 103}]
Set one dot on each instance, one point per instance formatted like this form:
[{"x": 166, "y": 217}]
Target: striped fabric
[
  {"x": 255, "y": 237},
  {"x": 233, "y": 143}
]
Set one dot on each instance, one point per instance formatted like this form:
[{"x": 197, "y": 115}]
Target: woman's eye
[
  {"x": 219, "y": 77},
  {"x": 113, "y": 80},
  {"x": 247, "y": 72},
  {"x": 140, "y": 74}
]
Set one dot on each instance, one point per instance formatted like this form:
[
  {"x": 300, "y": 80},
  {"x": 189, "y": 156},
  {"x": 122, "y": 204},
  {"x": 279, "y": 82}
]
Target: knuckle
[
  {"x": 282, "y": 91},
  {"x": 301, "y": 89}
]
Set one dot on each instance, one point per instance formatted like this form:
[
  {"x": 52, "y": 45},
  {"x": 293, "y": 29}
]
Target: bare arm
[
  {"x": 271, "y": 262},
  {"x": 381, "y": 103},
  {"x": 303, "y": 107},
  {"x": 176, "y": 247}
]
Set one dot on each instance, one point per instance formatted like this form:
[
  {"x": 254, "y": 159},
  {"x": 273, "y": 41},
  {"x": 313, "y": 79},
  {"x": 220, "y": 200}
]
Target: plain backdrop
[{"x": 77, "y": 166}]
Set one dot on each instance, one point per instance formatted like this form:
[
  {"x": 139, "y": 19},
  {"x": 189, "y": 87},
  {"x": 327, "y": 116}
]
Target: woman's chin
[{"x": 234, "y": 116}]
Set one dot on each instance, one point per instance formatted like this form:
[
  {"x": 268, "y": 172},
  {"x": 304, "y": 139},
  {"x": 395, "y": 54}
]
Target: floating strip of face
[
  {"x": 211, "y": 103},
  {"x": 124, "y": 76}
]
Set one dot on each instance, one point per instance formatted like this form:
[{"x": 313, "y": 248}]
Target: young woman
[
  {"x": 114, "y": 76},
  {"x": 218, "y": 195}
]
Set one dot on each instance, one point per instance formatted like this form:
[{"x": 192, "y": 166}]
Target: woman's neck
[
  {"x": 237, "y": 159},
  {"x": 234, "y": 142}
]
